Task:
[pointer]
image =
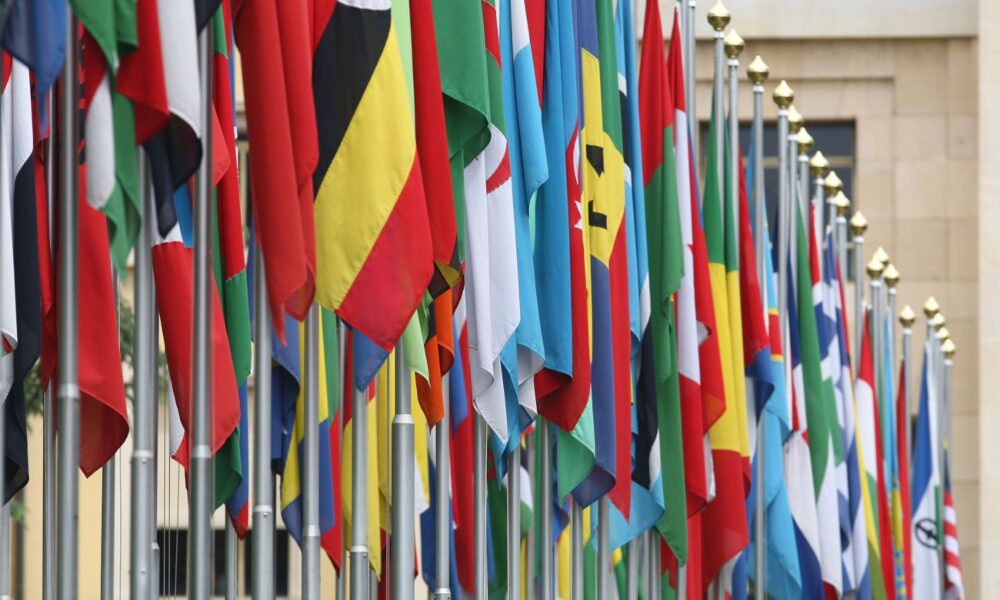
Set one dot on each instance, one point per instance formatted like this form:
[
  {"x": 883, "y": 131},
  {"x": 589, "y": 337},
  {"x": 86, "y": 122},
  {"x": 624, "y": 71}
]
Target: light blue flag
[
  {"x": 782, "y": 564},
  {"x": 647, "y": 502},
  {"x": 524, "y": 354}
]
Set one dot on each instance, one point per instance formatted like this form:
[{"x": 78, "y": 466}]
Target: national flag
[
  {"x": 35, "y": 34},
  {"x": 781, "y": 562},
  {"x": 853, "y": 527},
  {"x": 102, "y": 390},
  {"x": 869, "y": 454},
  {"x": 21, "y": 192},
  {"x": 109, "y": 128},
  {"x": 927, "y": 522},
  {"x": 664, "y": 365},
  {"x": 594, "y": 207},
  {"x": 277, "y": 64},
  {"x": 562, "y": 258},
  {"x": 374, "y": 275},
  {"x": 647, "y": 502},
  {"x": 798, "y": 463},
  {"x": 954, "y": 589},
  {"x": 609, "y": 245},
  {"x": 890, "y": 448},
  {"x": 724, "y": 519},
  {"x": 902, "y": 425}
]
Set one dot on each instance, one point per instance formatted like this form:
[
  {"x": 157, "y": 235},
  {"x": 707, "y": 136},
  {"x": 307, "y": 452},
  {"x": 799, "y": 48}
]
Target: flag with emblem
[{"x": 927, "y": 487}]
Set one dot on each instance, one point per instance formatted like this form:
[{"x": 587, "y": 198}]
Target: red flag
[
  {"x": 277, "y": 64},
  {"x": 140, "y": 75}
]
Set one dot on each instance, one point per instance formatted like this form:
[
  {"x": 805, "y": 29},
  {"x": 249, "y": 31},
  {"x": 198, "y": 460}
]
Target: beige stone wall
[{"x": 915, "y": 108}]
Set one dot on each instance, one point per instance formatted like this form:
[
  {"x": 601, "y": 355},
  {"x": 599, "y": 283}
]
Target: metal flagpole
[
  {"x": 107, "y": 531},
  {"x": 804, "y": 143},
  {"x": 875, "y": 269},
  {"x": 342, "y": 402},
  {"x": 200, "y": 513},
  {"x": 231, "y": 570},
  {"x": 514, "y": 523},
  {"x": 632, "y": 569},
  {"x": 68, "y": 392},
  {"x": 858, "y": 227},
  {"x": 906, "y": 318},
  {"x": 891, "y": 278},
  {"x": 758, "y": 72},
  {"x": 49, "y": 414},
  {"x": 263, "y": 482},
  {"x": 783, "y": 97},
  {"x": 818, "y": 166},
  {"x": 831, "y": 186},
  {"x": 657, "y": 588},
  {"x": 733, "y": 46},
  {"x": 403, "y": 511},
  {"x": 442, "y": 517},
  {"x": 795, "y": 123},
  {"x": 576, "y": 550},
  {"x": 880, "y": 344},
  {"x": 544, "y": 511},
  {"x": 948, "y": 350},
  {"x": 718, "y": 18},
  {"x": 531, "y": 539},
  {"x": 940, "y": 338},
  {"x": 310, "y": 479},
  {"x": 359, "y": 496},
  {"x": 479, "y": 505},
  {"x": 690, "y": 84},
  {"x": 841, "y": 204},
  {"x": 603, "y": 547}
]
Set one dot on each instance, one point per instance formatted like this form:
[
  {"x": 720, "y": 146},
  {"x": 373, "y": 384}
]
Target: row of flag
[{"x": 507, "y": 193}]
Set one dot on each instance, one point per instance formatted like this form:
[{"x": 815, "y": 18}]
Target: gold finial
[
  {"x": 832, "y": 184},
  {"x": 931, "y": 307},
  {"x": 891, "y": 275},
  {"x": 907, "y": 317},
  {"x": 818, "y": 165},
  {"x": 733, "y": 44},
  {"x": 757, "y": 70},
  {"x": 875, "y": 268},
  {"x": 948, "y": 347},
  {"x": 859, "y": 224},
  {"x": 795, "y": 120},
  {"x": 937, "y": 321},
  {"x": 719, "y": 16},
  {"x": 842, "y": 204},
  {"x": 804, "y": 140},
  {"x": 943, "y": 334},
  {"x": 881, "y": 255},
  {"x": 783, "y": 95}
]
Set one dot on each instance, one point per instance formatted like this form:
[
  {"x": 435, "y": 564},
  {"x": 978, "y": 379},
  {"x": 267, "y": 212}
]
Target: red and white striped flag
[{"x": 953, "y": 588}]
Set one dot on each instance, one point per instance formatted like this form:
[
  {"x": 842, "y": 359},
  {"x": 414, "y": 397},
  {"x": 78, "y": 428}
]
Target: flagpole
[
  {"x": 263, "y": 482},
  {"x": 108, "y": 476},
  {"x": 531, "y": 539},
  {"x": 906, "y": 318},
  {"x": 632, "y": 569},
  {"x": 401, "y": 570},
  {"x": 874, "y": 269},
  {"x": 804, "y": 144},
  {"x": 479, "y": 505},
  {"x": 758, "y": 72},
  {"x": 858, "y": 227},
  {"x": 718, "y": 18},
  {"x": 576, "y": 550},
  {"x": 68, "y": 392},
  {"x": 603, "y": 547},
  {"x": 310, "y": 477},
  {"x": 514, "y": 522},
  {"x": 342, "y": 398},
  {"x": 200, "y": 513},
  {"x": 691, "y": 101},
  {"x": 48, "y": 410},
  {"x": 359, "y": 495},
  {"x": 818, "y": 167},
  {"x": 442, "y": 517},
  {"x": 544, "y": 511},
  {"x": 948, "y": 349},
  {"x": 891, "y": 277},
  {"x": 841, "y": 204},
  {"x": 783, "y": 97},
  {"x": 880, "y": 344},
  {"x": 831, "y": 186},
  {"x": 942, "y": 336},
  {"x": 795, "y": 123},
  {"x": 733, "y": 46}
]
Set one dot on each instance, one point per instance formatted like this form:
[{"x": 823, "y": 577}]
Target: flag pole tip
[
  {"x": 875, "y": 268},
  {"x": 859, "y": 224},
  {"x": 841, "y": 203},
  {"x": 881, "y": 255},
  {"x": 795, "y": 120},
  {"x": 907, "y": 317},
  {"x": 931, "y": 307},
  {"x": 818, "y": 166},
  {"x": 891, "y": 275},
  {"x": 733, "y": 44},
  {"x": 719, "y": 16},
  {"x": 757, "y": 70},
  {"x": 804, "y": 140},
  {"x": 943, "y": 335},
  {"x": 938, "y": 321},
  {"x": 831, "y": 183},
  {"x": 783, "y": 94},
  {"x": 948, "y": 347}
]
